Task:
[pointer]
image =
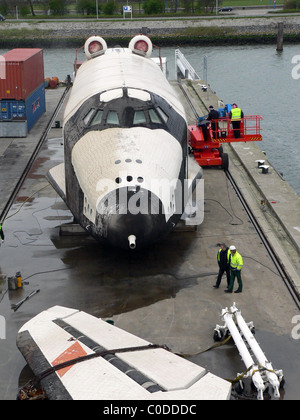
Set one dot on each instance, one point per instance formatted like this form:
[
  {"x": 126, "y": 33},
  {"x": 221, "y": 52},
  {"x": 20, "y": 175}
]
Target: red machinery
[{"x": 206, "y": 142}]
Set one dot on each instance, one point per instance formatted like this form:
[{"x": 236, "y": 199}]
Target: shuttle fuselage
[{"x": 125, "y": 147}]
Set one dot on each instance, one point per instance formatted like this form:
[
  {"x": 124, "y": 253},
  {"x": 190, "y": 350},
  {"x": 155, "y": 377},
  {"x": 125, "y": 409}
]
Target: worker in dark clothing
[
  {"x": 223, "y": 262},
  {"x": 236, "y": 115},
  {"x": 1, "y": 233},
  {"x": 213, "y": 115},
  {"x": 203, "y": 123}
]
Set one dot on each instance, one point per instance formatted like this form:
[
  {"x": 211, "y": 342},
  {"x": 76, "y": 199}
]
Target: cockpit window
[
  {"x": 162, "y": 114},
  {"x": 154, "y": 117},
  {"x": 97, "y": 118},
  {"x": 139, "y": 117},
  {"x": 129, "y": 116},
  {"x": 89, "y": 116},
  {"x": 112, "y": 118}
]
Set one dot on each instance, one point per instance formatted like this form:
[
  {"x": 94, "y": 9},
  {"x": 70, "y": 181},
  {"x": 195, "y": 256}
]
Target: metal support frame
[
  {"x": 183, "y": 67},
  {"x": 261, "y": 371}
]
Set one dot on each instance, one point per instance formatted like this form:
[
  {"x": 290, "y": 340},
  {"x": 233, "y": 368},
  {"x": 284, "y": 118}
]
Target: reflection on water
[{"x": 124, "y": 281}]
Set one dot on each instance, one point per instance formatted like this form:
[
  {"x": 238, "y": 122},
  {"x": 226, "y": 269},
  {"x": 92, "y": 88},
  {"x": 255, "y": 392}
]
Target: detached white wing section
[
  {"x": 62, "y": 334},
  {"x": 119, "y": 67}
]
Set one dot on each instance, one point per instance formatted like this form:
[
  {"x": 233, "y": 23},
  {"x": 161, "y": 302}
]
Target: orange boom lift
[{"x": 206, "y": 142}]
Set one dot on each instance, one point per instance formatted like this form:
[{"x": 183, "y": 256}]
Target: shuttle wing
[
  {"x": 139, "y": 370},
  {"x": 56, "y": 177},
  {"x": 194, "y": 207},
  {"x": 195, "y": 172}
]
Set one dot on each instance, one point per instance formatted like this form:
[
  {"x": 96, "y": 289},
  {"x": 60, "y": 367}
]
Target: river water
[{"x": 258, "y": 78}]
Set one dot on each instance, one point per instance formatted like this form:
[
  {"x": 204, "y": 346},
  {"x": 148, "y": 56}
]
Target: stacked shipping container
[{"x": 22, "y": 92}]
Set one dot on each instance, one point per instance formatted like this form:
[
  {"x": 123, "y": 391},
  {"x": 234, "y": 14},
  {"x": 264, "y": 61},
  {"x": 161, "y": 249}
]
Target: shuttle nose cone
[
  {"x": 128, "y": 226},
  {"x": 135, "y": 231}
]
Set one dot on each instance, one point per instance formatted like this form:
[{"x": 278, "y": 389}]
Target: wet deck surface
[{"x": 163, "y": 294}]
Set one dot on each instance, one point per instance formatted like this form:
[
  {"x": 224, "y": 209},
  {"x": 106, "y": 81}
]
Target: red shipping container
[{"x": 24, "y": 72}]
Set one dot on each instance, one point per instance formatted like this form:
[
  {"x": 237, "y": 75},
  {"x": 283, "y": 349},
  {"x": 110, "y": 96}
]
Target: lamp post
[
  {"x": 97, "y": 10},
  {"x": 17, "y": 14},
  {"x": 205, "y": 75}
]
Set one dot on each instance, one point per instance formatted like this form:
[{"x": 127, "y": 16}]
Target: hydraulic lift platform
[{"x": 207, "y": 137}]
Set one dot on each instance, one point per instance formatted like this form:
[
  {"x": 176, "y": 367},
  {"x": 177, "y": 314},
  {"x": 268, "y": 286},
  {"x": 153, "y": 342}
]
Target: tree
[
  {"x": 189, "y": 6},
  {"x": 4, "y": 8},
  {"x": 57, "y": 6},
  {"x": 31, "y": 7},
  {"x": 208, "y": 5},
  {"x": 109, "y": 8},
  {"x": 290, "y": 4},
  {"x": 154, "y": 7},
  {"x": 86, "y": 6},
  {"x": 24, "y": 6}
]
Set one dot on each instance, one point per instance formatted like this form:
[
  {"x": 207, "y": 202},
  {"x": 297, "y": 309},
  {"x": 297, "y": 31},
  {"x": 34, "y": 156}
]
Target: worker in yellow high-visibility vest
[
  {"x": 236, "y": 115},
  {"x": 236, "y": 264}
]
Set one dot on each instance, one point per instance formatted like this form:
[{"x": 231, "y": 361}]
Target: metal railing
[
  {"x": 184, "y": 68},
  {"x": 250, "y": 125}
]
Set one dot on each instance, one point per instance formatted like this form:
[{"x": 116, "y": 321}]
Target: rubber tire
[
  {"x": 239, "y": 389},
  {"x": 217, "y": 338},
  {"x": 225, "y": 161}
]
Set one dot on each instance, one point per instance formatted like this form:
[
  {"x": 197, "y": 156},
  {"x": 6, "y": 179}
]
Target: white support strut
[
  {"x": 244, "y": 352},
  {"x": 260, "y": 370},
  {"x": 261, "y": 358}
]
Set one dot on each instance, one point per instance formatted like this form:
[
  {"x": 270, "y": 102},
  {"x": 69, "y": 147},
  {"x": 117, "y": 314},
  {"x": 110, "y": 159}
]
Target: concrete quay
[
  {"x": 273, "y": 201},
  {"x": 164, "y": 294},
  {"x": 15, "y": 153}
]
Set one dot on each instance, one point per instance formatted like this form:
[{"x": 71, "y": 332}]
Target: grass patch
[
  {"x": 285, "y": 11},
  {"x": 245, "y": 3},
  {"x": 211, "y": 31}
]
